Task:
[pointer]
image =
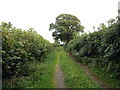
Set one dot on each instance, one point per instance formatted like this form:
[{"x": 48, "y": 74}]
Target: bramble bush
[
  {"x": 20, "y": 46},
  {"x": 100, "y": 48}
]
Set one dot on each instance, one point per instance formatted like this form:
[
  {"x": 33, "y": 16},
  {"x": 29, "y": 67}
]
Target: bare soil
[{"x": 59, "y": 78}]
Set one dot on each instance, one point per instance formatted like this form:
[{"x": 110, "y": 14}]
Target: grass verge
[
  {"x": 106, "y": 76},
  {"x": 41, "y": 75},
  {"x": 73, "y": 74},
  {"x": 100, "y": 72}
]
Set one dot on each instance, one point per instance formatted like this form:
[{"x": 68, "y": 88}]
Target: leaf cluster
[
  {"x": 66, "y": 27},
  {"x": 20, "y": 46},
  {"x": 103, "y": 45}
]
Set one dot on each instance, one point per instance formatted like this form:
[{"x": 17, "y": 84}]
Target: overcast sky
[{"x": 38, "y": 14}]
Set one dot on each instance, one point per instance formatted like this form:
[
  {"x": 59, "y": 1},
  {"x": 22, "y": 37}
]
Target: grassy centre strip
[{"x": 73, "y": 74}]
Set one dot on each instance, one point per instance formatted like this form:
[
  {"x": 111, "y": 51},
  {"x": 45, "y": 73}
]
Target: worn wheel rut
[
  {"x": 59, "y": 78},
  {"x": 97, "y": 80},
  {"x": 92, "y": 76}
]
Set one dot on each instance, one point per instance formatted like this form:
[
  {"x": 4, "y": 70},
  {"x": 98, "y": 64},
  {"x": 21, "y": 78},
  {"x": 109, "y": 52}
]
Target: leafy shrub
[
  {"x": 100, "y": 48},
  {"x": 19, "y": 47}
]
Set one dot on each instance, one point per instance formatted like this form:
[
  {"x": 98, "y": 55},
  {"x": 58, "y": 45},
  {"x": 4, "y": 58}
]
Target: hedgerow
[
  {"x": 20, "y": 46},
  {"x": 100, "y": 48}
]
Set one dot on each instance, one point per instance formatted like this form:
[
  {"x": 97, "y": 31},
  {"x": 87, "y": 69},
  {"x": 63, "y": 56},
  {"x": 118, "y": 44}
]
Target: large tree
[{"x": 66, "y": 27}]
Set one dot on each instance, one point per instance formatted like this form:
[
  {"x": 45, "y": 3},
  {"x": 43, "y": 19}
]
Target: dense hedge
[
  {"x": 100, "y": 48},
  {"x": 20, "y": 46}
]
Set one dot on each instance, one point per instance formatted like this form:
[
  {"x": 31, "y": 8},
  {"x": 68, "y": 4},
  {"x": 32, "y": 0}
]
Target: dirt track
[{"x": 59, "y": 76}]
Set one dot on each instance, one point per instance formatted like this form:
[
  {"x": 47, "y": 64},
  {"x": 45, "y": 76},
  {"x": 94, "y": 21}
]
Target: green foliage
[
  {"x": 19, "y": 47},
  {"x": 66, "y": 27},
  {"x": 106, "y": 77},
  {"x": 73, "y": 74},
  {"x": 56, "y": 44},
  {"x": 41, "y": 74},
  {"x": 103, "y": 44}
]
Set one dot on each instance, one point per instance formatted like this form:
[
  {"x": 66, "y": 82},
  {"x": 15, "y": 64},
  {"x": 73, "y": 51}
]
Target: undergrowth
[{"x": 37, "y": 74}]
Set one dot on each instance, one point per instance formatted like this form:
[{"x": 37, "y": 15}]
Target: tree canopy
[{"x": 66, "y": 27}]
